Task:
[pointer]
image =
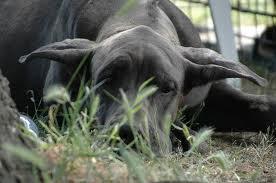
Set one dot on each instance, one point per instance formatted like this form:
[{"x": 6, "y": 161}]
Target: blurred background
[{"x": 254, "y": 26}]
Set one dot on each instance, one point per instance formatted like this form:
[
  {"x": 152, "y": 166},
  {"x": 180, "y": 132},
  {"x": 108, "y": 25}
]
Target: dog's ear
[
  {"x": 69, "y": 51},
  {"x": 203, "y": 65}
]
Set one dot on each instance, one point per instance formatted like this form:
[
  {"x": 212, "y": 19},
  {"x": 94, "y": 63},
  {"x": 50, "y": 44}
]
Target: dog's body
[
  {"x": 264, "y": 49},
  {"x": 130, "y": 43}
]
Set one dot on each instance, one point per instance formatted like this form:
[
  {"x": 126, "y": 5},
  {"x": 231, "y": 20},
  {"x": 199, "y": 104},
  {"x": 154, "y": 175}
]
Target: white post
[{"x": 221, "y": 14}]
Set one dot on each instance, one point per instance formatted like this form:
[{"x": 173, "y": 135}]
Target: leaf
[
  {"x": 145, "y": 84},
  {"x": 200, "y": 137},
  {"x": 58, "y": 94},
  {"x": 74, "y": 76},
  {"x": 221, "y": 159},
  {"x": 187, "y": 134},
  {"x": 112, "y": 97},
  {"x": 145, "y": 93},
  {"x": 94, "y": 107}
]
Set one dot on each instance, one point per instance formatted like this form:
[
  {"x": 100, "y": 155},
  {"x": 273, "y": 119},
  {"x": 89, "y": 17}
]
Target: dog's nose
[{"x": 126, "y": 134}]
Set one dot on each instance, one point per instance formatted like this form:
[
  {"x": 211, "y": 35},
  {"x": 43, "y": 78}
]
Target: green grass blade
[
  {"x": 145, "y": 84},
  {"x": 145, "y": 93},
  {"x": 200, "y": 137},
  {"x": 134, "y": 165}
]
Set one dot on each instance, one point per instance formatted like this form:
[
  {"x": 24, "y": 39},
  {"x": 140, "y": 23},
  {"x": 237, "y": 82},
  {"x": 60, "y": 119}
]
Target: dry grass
[{"x": 250, "y": 158}]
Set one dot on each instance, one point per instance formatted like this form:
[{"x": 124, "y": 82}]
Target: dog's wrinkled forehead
[
  {"x": 141, "y": 59},
  {"x": 139, "y": 46}
]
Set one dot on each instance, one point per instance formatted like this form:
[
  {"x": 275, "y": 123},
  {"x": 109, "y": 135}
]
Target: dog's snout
[{"x": 126, "y": 134}]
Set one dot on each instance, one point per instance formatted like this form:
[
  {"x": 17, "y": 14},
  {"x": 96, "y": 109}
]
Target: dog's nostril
[{"x": 126, "y": 134}]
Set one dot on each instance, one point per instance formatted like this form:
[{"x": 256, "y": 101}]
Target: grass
[{"x": 79, "y": 152}]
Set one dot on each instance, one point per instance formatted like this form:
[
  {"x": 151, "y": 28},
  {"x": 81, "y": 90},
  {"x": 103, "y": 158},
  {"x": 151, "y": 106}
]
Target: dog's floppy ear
[
  {"x": 203, "y": 65},
  {"x": 69, "y": 51}
]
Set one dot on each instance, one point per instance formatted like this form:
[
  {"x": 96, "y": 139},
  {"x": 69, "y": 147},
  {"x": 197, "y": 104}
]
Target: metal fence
[{"x": 254, "y": 24}]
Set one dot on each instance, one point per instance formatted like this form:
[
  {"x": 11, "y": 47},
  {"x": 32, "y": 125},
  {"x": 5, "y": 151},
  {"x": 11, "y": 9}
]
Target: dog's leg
[{"x": 228, "y": 109}]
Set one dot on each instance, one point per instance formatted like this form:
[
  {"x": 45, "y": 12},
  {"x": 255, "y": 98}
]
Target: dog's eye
[
  {"x": 105, "y": 76},
  {"x": 168, "y": 88}
]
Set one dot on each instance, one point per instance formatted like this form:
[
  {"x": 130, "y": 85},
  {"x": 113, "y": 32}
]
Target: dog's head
[{"x": 124, "y": 61}]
